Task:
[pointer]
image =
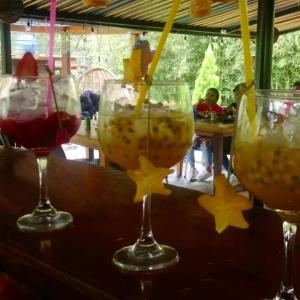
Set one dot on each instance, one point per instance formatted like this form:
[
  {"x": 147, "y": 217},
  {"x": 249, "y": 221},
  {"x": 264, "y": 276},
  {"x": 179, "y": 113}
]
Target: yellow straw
[
  {"x": 157, "y": 54},
  {"x": 247, "y": 61}
]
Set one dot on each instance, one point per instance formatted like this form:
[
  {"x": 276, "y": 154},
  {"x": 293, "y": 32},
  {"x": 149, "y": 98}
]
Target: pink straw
[
  {"x": 51, "y": 46},
  {"x": 52, "y": 34}
]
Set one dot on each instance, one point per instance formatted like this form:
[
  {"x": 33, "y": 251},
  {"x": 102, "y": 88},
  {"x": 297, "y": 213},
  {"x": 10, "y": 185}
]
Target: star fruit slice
[
  {"x": 226, "y": 205},
  {"x": 149, "y": 179}
]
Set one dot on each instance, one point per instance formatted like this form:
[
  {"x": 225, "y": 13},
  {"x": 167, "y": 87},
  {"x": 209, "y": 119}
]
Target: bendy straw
[
  {"x": 247, "y": 61},
  {"x": 51, "y": 46},
  {"x": 157, "y": 54}
]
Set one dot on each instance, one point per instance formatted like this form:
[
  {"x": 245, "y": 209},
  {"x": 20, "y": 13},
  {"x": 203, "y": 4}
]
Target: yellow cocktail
[
  {"x": 164, "y": 139},
  {"x": 267, "y": 163},
  {"x": 154, "y": 134},
  {"x": 271, "y": 172}
]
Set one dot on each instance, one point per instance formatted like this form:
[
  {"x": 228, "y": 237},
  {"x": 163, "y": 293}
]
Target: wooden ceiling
[
  {"x": 73, "y": 30},
  {"x": 150, "y": 15}
]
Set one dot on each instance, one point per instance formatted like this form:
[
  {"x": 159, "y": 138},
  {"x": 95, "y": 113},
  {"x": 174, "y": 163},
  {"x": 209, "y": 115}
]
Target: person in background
[
  {"x": 288, "y": 104},
  {"x": 89, "y": 103},
  {"x": 203, "y": 109},
  {"x": 238, "y": 92}
]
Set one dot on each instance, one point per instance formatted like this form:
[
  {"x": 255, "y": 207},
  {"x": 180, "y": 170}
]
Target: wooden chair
[{"x": 93, "y": 79}]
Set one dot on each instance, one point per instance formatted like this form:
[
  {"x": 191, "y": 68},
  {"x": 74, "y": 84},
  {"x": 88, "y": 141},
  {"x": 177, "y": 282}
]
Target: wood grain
[{"x": 75, "y": 263}]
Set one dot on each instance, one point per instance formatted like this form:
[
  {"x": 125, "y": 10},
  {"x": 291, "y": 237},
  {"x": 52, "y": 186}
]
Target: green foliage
[
  {"x": 106, "y": 51},
  {"x": 229, "y": 55},
  {"x": 182, "y": 58},
  {"x": 207, "y": 76},
  {"x": 286, "y": 54}
]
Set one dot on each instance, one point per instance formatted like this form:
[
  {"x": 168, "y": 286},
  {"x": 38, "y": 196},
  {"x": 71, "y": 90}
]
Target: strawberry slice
[{"x": 27, "y": 66}]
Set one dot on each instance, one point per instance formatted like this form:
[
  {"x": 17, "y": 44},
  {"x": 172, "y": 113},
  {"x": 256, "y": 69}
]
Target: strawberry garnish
[{"x": 27, "y": 66}]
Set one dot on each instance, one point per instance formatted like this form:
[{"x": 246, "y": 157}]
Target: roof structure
[{"x": 150, "y": 15}]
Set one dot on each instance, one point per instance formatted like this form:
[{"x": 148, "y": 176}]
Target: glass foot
[
  {"x": 285, "y": 293},
  {"x": 126, "y": 259},
  {"x": 285, "y": 296},
  {"x": 43, "y": 222}
]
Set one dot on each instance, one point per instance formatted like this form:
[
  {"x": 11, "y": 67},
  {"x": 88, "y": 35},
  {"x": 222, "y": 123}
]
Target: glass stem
[
  {"x": 44, "y": 205},
  {"x": 289, "y": 234},
  {"x": 146, "y": 244},
  {"x": 4, "y": 140}
]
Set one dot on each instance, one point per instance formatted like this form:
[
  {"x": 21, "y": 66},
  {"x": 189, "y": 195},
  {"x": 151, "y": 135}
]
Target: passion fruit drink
[
  {"x": 165, "y": 137},
  {"x": 267, "y": 163},
  {"x": 267, "y": 152},
  {"x": 139, "y": 123},
  {"x": 271, "y": 172},
  {"x": 162, "y": 129}
]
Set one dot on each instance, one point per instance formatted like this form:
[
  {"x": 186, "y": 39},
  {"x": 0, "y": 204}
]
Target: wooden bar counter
[{"x": 75, "y": 263}]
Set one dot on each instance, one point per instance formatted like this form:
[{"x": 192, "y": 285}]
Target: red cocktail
[
  {"x": 40, "y": 113},
  {"x": 42, "y": 134}
]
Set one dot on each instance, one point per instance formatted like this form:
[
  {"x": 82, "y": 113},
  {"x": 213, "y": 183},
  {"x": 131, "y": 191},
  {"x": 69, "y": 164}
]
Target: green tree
[
  {"x": 181, "y": 57},
  {"x": 207, "y": 76},
  {"x": 285, "y": 69},
  {"x": 229, "y": 56},
  {"x": 106, "y": 51}
]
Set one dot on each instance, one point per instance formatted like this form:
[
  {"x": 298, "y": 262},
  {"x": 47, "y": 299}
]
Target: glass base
[
  {"x": 126, "y": 259},
  {"x": 33, "y": 222},
  {"x": 285, "y": 294},
  {"x": 285, "y": 297}
]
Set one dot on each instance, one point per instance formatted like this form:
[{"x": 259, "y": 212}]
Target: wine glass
[
  {"x": 267, "y": 163},
  {"x": 40, "y": 113},
  {"x": 162, "y": 131}
]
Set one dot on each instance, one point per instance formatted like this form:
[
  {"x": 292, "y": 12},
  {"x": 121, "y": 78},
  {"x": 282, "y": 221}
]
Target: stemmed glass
[
  {"x": 40, "y": 113},
  {"x": 267, "y": 163},
  {"x": 162, "y": 131}
]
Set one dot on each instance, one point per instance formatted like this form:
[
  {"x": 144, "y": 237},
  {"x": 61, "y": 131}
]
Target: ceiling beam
[
  {"x": 290, "y": 30},
  {"x": 278, "y": 14},
  {"x": 264, "y": 44},
  {"x": 5, "y": 38},
  {"x": 98, "y": 20},
  {"x": 74, "y": 30}
]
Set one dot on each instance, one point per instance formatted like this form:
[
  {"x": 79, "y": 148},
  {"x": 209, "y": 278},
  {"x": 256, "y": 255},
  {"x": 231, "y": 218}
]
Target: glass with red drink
[{"x": 40, "y": 113}]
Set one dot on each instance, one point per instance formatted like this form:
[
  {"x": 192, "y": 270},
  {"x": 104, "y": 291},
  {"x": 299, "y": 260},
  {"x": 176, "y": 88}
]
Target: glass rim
[
  {"x": 42, "y": 76},
  {"x": 280, "y": 94},
  {"x": 154, "y": 82},
  {"x": 276, "y": 90}
]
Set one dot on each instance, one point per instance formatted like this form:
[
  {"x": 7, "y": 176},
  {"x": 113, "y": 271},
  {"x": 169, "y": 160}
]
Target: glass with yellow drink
[
  {"x": 267, "y": 163},
  {"x": 161, "y": 131},
  {"x": 125, "y": 137}
]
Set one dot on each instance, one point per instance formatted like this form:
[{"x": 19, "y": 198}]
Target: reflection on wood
[{"x": 75, "y": 263}]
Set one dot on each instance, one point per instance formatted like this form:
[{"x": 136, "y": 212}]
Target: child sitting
[{"x": 203, "y": 109}]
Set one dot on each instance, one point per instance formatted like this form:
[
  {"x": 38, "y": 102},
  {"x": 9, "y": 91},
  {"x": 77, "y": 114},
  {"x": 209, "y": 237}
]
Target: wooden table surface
[
  {"x": 217, "y": 130},
  {"x": 89, "y": 138},
  {"x": 86, "y": 138},
  {"x": 208, "y": 127},
  {"x": 75, "y": 263}
]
